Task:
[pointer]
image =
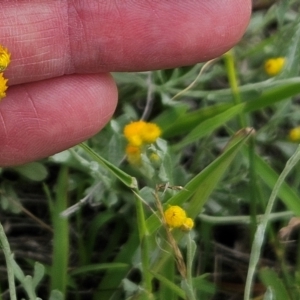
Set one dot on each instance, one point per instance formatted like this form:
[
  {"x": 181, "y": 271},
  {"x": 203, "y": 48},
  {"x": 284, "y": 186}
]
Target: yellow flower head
[
  {"x": 273, "y": 66},
  {"x": 133, "y": 132},
  {"x": 133, "y": 154},
  {"x": 150, "y": 133},
  {"x": 3, "y": 86},
  {"x": 294, "y": 134},
  {"x": 175, "y": 216},
  {"x": 187, "y": 225},
  {"x": 141, "y": 132},
  {"x": 4, "y": 58}
]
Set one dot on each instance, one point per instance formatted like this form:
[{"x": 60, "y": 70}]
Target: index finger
[{"x": 52, "y": 38}]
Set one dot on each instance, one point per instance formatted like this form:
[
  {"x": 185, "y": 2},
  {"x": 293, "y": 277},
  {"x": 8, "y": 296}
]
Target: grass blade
[{"x": 61, "y": 235}]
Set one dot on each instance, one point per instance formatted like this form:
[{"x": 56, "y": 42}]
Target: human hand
[{"x": 60, "y": 92}]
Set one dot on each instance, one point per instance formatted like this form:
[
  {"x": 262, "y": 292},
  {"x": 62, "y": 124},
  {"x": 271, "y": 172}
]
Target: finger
[
  {"x": 52, "y": 38},
  {"x": 42, "y": 118}
]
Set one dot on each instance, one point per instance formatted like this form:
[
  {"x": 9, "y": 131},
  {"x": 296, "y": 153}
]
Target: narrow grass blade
[
  {"x": 209, "y": 125},
  {"x": 99, "y": 267},
  {"x": 172, "y": 286},
  {"x": 61, "y": 235},
  {"x": 121, "y": 175},
  {"x": 271, "y": 279}
]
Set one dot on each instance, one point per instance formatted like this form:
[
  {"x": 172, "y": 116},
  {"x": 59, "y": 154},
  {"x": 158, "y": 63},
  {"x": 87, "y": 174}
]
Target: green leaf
[
  {"x": 29, "y": 287},
  {"x": 99, "y": 267},
  {"x": 19, "y": 274},
  {"x": 39, "y": 271},
  {"x": 209, "y": 125},
  {"x": 202, "y": 284},
  {"x": 34, "y": 171},
  {"x": 121, "y": 175},
  {"x": 56, "y": 295},
  {"x": 293, "y": 55},
  {"x": 175, "y": 288},
  {"x": 271, "y": 279},
  {"x": 188, "y": 290}
]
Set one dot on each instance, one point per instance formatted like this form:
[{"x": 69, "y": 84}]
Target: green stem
[
  {"x": 59, "y": 270},
  {"x": 8, "y": 258},
  {"x": 252, "y": 188},
  {"x": 187, "y": 283},
  {"x": 189, "y": 259},
  {"x": 144, "y": 244},
  {"x": 243, "y": 219},
  {"x": 233, "y": 82}
]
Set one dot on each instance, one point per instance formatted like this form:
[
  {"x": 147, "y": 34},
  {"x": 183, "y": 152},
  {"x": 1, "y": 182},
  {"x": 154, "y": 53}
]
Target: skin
[{"x": 62, "y": 51}]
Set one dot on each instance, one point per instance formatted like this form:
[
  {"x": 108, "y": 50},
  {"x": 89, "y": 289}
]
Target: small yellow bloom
[
  {"x": 294, "y": 134},
  {"x": 273, "y": 66},
  {"x": 4, "y": 58},
  {"x": 150, "y": 133},
  {"x": 133, "y": 132},
  {"x": 141, "y": 132},
  {"x": 133, "y": 154},
  {"x": 3, "y": 86},
  {"x": 187, "y": 225},
  {"x": 175, "y": 216}
]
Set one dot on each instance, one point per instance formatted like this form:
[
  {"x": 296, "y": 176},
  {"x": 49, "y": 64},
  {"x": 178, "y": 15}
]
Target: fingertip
[
  {"x": 151, "y": 35},
  {"x": 42, "y": 118}
]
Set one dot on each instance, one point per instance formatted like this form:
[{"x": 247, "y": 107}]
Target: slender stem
[
  {"x": 187, "y": 283},
  {"x": 243, "y": 219},
  {"x": 204, "y": 67},
  {"x": 150, "y": 99},
  {"x": 8, "y": 258},
  {"x": 189, "y": 259},
  {"x": 144, "y": 243},
  {"x": 252, "y": 187},
  {"x": 232, "y": 77}
]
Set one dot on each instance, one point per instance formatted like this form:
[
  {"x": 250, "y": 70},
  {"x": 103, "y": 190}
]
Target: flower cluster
[
  {"x": 3, "y": 86},
  {"x": 273, "y": 66},
  {"x": 4, "y": 62},
  {"x": 176, "y": 217},
  {"x": 139, "y": 134}
]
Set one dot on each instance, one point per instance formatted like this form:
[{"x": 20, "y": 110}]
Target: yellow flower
[
  {"x": 150, "y": 133},
  {"x": 175, "y": 216},
  {"x": 187, "y": 225},
  {"x": 4, "y": 58},
  {"x": 273, "y": 66},
  {"x": 294, "y": 134},
  {"x": 133, "y": 154},
  {"x": 133, "y": 132},
  {"x": 141, "y": 132},
  {"x": 3, "y": 86}
]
